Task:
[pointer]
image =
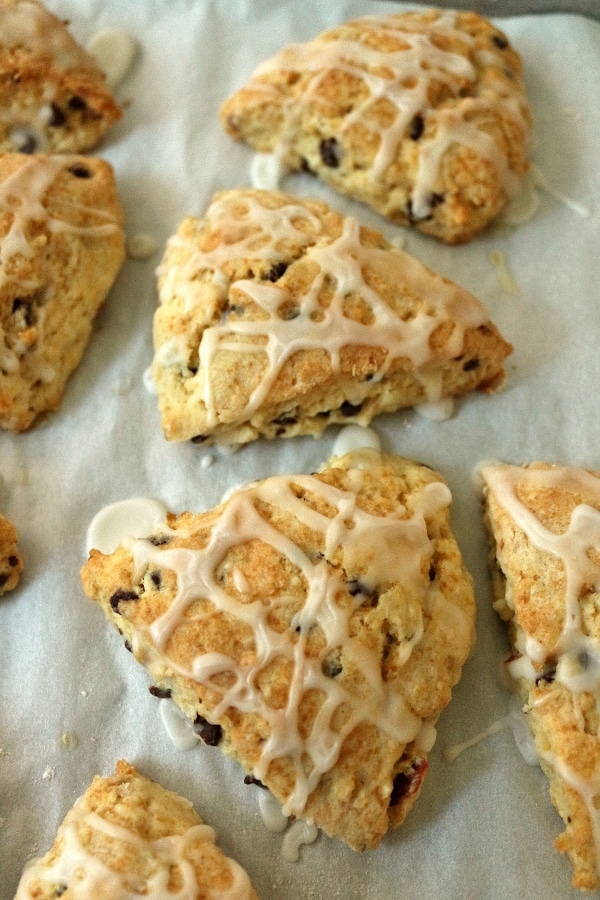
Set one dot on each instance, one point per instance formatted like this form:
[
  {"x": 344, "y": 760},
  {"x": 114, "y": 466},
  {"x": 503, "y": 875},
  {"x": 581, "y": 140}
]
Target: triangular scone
[
  {"x": 422, "y": 115},
  {"x": 312, "y": 627},
  {"x": 53, "y": 96},
  {"x": 61, "y": 248},
  {"x": 11, "y": 562},
  {"x": 129, "y": 837},
  {"x": 279, "y": 316},
  {"x": 544, "y": 522}
]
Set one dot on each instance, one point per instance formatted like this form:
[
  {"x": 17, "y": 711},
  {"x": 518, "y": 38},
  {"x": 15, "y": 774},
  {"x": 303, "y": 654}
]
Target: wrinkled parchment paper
[{"x": 72, "y": 700}]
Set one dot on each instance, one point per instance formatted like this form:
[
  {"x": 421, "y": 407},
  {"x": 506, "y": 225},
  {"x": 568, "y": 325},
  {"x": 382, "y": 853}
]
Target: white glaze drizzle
[
  {"x": 31, "y": 25},
  {"x": 341, "y": 264},
  {"x": 403, "y": 78},
  {"x": 299, "y": 833},
  {"x": 137, "y": 516},
  {"x": 87, "y": 876},
  {"x": 398, "y": 544},
  {"x": 114, "y": 51}
]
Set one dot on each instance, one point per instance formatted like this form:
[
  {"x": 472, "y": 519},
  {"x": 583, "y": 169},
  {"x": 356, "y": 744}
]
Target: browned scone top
[
  {"x": 61, "y": 248},
  {"x": 128, "y": 836},
  {"x": 422, "y": 115},
  {"x": 11, "y": 561},
  {"x": 312, "y": 626},
  {"x": 544, "y": 525},
  {"x": 278, "y": 316},
  {"x": 53, "y": 96}
]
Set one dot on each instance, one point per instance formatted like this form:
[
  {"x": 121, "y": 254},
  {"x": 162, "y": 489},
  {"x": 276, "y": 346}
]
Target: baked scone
[
  {"x": 129, "y": 837},
  {"x": 544, "y": 523},
  {"x": 11, "y": 562},
  {"x": 312, "y": 627},
  {"x": 53, "y": 96},
  {"x": 422, "y": 115},
  {"x": 278, "y": 316},
  {"x": 61, "y": 248}
]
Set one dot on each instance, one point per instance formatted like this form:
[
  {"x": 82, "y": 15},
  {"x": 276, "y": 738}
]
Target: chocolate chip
[
  {"x": 3, "y": 578},
  {"x": 199, "y": 439},
  {"x": 276, "y": 271},
  {"x": 304, "y": 167},
  {"x": 285, "y": 420},
  {"x": 289, "y": 313},
  {"x": 60, "y": 889},
  {"x": 128, "y": 646},
  {"x": 331, "y": 666},
  {"x": 432, "y": 200},
  {"x": 500, "y": 41},
  {"x": 161, "y": 693},
  {"x": 25, "y": 307},
  {"x": 155, "y": 579},
  {"x": 207, "y": 732},
  {"x": 77, "y": 103},
  {"x": 350, "y": 409},
  {"x": 416, "y": 127},
  {"x": 548, "y": 675},
  {"x": 471, "y": 364},
  {"x": 250, "y": 779},
  {"x": 158, "y": 540},
  {"x": 57, "y": 116},
  {"x": 120, "y": 595},
  {"x": 331, "y": 152},
  {"x": 80, "y": 171},
  {"x": 13, "y": 560},
  {"x": 25, "y": 141}
]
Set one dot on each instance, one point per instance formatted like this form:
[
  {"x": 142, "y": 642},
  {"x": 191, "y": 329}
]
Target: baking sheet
[{"x": 72, "y": 700}]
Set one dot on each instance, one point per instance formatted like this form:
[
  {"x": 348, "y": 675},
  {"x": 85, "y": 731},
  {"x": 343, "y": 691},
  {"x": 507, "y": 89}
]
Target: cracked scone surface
[
  {"x": 544, "y": 525},
  {"x": 127, "y": 836},
  {"x": 278, "y": 316},
  {"x": 421, "y": 115},
  {"x": 11, "y": 561},
  {"x": 61, "y": 248},
  {"x": 53, "y": 95},
  {"x": 312, "y": 627}
]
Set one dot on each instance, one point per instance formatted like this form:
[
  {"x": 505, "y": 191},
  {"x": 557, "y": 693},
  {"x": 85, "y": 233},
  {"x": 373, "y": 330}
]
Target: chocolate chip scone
[
  {"x": 279, "y": 316},
  {"x": 422, "y": 115},
  {"x": 61, "y": 248},
  {"x": 312, "y": 627},
  {"x": 129, "y": 837},
  {"x": 53, "y": 96},
  {"x": 544, "y": 525},
  {"x": 11, "y": 562}
]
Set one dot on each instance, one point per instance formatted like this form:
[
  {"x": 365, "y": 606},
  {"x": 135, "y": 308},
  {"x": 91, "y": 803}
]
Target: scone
[
  {"x": 61, "y": 248},
  {"x": 422, "y": 115},
  {"x": 11, "y": 562},
  {"x": 312, "y": 626},
  {"x": 129, "y": 837},
  {"x": 53, "y": 95},
  {"x": 278, "y": 316},
  {"x": 544, "y": 523}
]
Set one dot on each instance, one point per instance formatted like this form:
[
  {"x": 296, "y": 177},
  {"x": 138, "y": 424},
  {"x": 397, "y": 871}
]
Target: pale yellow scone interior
[
  {"x": 278, "y": 316},
  {"x": 312, "y": 627},
  {"x": 61, "y": 248},
  {"x": 544, "y": 523},
  {"x": 11, "y": 561},
  {"x": 129, "y": 837},
  {"x": 53, "y": 95},
  {"x": 421, "y": 115}
]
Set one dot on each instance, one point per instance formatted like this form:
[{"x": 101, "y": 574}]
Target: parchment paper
[{"x": 483, "y": 827}]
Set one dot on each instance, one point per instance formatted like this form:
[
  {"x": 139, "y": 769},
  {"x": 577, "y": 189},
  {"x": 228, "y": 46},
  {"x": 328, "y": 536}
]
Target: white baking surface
[{"x": 483, "y": 827}]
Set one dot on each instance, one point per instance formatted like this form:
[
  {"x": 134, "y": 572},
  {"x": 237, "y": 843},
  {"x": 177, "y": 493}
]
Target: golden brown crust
[
  {"x": 360, "y": 328},
  {"x": 122, "y": 828},
  {"x": 434, "y": 138},
  {"x": 62, "y": 246},
  {"x": 11, "y": 561},
  {"x": 53, "y": 96},
  {"x": 416, "y": 632}
]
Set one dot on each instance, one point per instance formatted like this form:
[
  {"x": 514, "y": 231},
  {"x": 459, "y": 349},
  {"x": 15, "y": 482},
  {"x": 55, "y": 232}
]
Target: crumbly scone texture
[
  {"x": 312, "y": 627},
  {"x": 529, "y": 587},
  {"x": 11, "y": 561},
  {"x": 421, "y": 115},
  {"x": 129, "y": 836},
  {"x": 61, "y": 248},
  {"x": 278, "y": 317},
  {"x": 53, "y": 96}
]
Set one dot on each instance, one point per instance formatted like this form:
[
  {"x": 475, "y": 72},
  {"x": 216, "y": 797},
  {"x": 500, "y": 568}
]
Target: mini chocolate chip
[
  {"x": 60, "y": 889},
  {"x": 120, "y": 595},
  {"x": 471, "y": 364},
  {"x": 57, "y": 117},
  {"x": 207, "y": 732},
  {"x": 304, "y": 167},
  {"x": 25, "y": 307},
  {"x": 158, "y": 540},
  {"x": 77, "y": 103},
  {"x": 432, "y": 200},
  {"x": 276, "y": 271},
  {"x": 416, "y": 127},
  {"x": 250, "y": 779},
  {"x": 285, "y": 420},
  {"x": 500, "y": 41},
  {"x": 350, "y": 409},
  {"x": 331, "y": 152},
  {"x": 13, "y": 560},
  {"x": 290, "y": 313},
  {"x": 161, "y": 693},
  {"x": 324, "y": 413},
  {"x": 155, "y": 578},
  {"x": 80, "y": 171},
  {"x": 547, "y": 675},
  {"x": 128, "y": 646},
  {"x": 199, "y": 439},
  {"x": 3, "y": 578},
  {"x": 26, "y": 143},
  {"x": 331, "y": 667},
  {"x": 432, "y": 572}
]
